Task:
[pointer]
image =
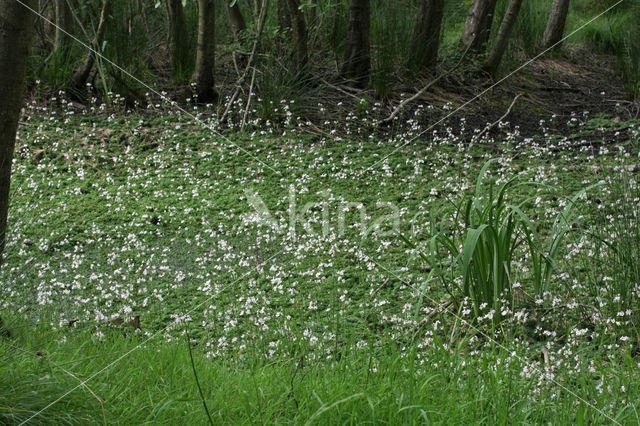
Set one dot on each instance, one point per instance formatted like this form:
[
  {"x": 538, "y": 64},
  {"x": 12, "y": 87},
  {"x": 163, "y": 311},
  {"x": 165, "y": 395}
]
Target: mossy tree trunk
[
  {"x": 313, "y": 13},
  {"x": 357, "y": 57},
  {"x": 284, "y": 17},
  {"x": 299, "y": 31},
  {"x": 178, "y": 37},
  {"x": 64, "y": 24},
  {"x": 16, "y": 29},
  {"x": 477, "y": 27},
  {"x": 203, "y": 76},
  {"x": 426, "y": 36}
]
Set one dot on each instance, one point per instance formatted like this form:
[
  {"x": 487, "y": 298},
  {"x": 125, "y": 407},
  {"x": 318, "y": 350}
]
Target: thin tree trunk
[
  {"x": 555, "y": 24},
  {"x": 203, "y": 76},
  {"x": 477, "y": 28},
  {"x": 299, "y": 29},
  {"x": 238, "y": 24},
  {"x": 426, "y": 37},
  {"x": 235, "y": 18},
  {"x": 64, "y": 23},
  {"x": 16, "y": 29},
  {"x": 79, "y": 78},
  {"x": 284, "y": 18},
  {"x": 178, "y": 37},
  {"x": 357, "y": 57},
  {"x": 504, "y": 32},
  {"x": 313, "y": 13}
]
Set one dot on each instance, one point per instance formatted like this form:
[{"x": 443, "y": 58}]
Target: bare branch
[{"x": 397, "y": 110}]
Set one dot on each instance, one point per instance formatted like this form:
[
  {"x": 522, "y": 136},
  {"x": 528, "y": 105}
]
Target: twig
[
  {"x": 246, "y": 110},
  {"x": 339, "y": 89},
  {"x": 257, "y": 260},
  {"x": 492, "y": 125},
  {"x": 443, "y": 306},
  {"x": 316, "y": 131},
  {"x": 195, "y": 373},
  {"x": 380, "y": 287},
  {"x": 424, "y": 89},
  {"x": 261, "y": 20},
  {"x": 299, "y": 366},
  {"x": 69, "y": 373},
  {"x": 545, "y": 355}
]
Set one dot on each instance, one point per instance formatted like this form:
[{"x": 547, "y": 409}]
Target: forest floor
[
  {"x": 556, "y": 90},
  {"x": 284, "y": 272}
]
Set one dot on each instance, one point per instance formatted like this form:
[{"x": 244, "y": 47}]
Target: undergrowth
[{"x": 277, "y": 251}]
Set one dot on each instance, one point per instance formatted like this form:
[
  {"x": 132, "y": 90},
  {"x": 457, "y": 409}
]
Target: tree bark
[
  {"x": 80, "y": 76},
  {"x": 299, "y": 29},
  {"x": 238, "y": 24},
  {"x": 357, "y": 56},
  {"x": 16, "y": 29},
  {"x": 284, "y": 18},
  {"x": 203, "y": 76},
  {"x": 64, "y": 23},
  {"x": 477, "y": 28},
  {"x": 555, "y": 24},
  {"x": 235, "y": 18},
  {"x": 313, "y": 13},
  {"x": 504, "y": 32},
  {"x": 426, "y": 36},
  {"x": 178, "y": 37}
]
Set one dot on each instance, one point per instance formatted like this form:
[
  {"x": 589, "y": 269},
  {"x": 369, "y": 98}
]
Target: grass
[
  {"x": 278, "y": 253},
  {"x": 615, "y": 33},
  {"x": 155, "y": 383},
  {"x": 620, "y": 248},
  {"x": 392, "y": 33}
]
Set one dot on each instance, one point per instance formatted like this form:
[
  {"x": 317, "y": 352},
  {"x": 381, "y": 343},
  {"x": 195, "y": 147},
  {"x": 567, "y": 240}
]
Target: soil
[
  {"x": 563, "y": 91},
  {"x": 557, "y": 93}
]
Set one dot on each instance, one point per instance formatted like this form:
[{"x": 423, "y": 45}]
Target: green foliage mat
[{"x": 281, "y": 255}]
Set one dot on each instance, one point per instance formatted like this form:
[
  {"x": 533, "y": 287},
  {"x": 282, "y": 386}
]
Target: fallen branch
[
  {"x": 339, "y": 89},
  {"x": 435, "y": 311},
  {"x": 492, "y": 125},
  {"x": 397, "y": 110},
  {"x": 312, "y": 129}
]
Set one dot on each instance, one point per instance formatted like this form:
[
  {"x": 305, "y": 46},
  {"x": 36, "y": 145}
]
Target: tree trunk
[
  {"x": 426, "y": 36},
  {"x": 235, "y": 18},
  {"x": 80, "y": 76},
  {"x": 64, "y": 23},
  {"x": 16, "y": 28},
  {"x": 357, "y": 56},
  {"x": 477, "y": 28},
  {"x": 504, "y": 32},
  {"x": 284, "y": 18},
  {"x": 313, "y": 13},
  {"x": 555, "y": 25},
  {"x": 203, "y": 76},
  {"x": 299, "y": 29},
  {"x": 238, "y": 24},
  {"x": 178, "y": 37}
]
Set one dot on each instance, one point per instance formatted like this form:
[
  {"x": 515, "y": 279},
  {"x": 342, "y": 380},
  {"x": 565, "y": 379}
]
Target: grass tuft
[{"x": 474, "y": 257}]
